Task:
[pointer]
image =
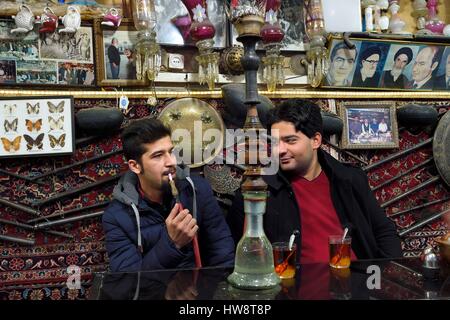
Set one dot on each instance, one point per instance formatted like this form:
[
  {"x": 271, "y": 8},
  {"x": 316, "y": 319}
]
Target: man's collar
[
  {"x": 332, "y": 168},
  {"x": 422, "y": 82}
]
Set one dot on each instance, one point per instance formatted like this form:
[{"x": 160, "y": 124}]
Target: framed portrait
[
  {"x": 35, "y": 58},
  {"x": 115, "y": 53},
  {"x": 37, "y": 126},
  {"x": 174, "y": 23},
  {"x": 369, "y": 125},
  {"x": 291, "y": 19},
  {"x": 388, "y": 65}
]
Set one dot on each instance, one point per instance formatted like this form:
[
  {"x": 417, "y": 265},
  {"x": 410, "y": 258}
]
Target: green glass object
[{"x": 254, "y": 266}]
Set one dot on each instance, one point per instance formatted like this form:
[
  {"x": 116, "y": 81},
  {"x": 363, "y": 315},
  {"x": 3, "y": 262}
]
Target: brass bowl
[
  {"x": 444, "y": 247},
  {"x": 249, "y": 25}
]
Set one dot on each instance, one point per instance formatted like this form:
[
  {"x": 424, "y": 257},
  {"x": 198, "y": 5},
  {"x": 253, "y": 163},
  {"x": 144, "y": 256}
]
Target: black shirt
[{"x": 163, "y": 208}]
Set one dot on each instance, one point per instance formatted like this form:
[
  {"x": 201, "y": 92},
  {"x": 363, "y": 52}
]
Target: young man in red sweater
[{"x": 316, "y": 194}]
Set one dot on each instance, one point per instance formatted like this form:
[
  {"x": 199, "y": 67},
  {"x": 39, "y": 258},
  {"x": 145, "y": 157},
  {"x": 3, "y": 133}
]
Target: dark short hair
[
  {"x": 437, "y": 54},
  {"x": 139, "y": 133},
  {"x": 303, "y": 114},
  {"x": 339, "y": 46},
  {"x": 406, "y": 51}
]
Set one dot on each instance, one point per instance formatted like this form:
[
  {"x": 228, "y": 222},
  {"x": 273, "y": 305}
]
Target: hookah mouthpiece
[{"x": 173, "y": 187}]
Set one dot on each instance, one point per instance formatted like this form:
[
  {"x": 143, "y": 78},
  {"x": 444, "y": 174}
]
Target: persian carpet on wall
[{"x": 38, "y": 269}]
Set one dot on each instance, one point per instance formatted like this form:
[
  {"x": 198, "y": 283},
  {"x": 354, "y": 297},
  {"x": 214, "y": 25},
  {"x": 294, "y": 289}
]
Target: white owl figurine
[
  {"x": 24, "y": 20},
  {"x": 71, "y": 21}
]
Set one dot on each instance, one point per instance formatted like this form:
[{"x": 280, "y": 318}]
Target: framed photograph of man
[
  {"x": 442, "y": 80},
  {"x": 116, "y": 65},
  {"x": 369, "y": 125},
  {"x": 387, "y": 65}
]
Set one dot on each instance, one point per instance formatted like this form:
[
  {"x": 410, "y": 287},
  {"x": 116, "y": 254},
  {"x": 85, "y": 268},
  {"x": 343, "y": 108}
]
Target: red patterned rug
[{"x": 39, "y": 272}]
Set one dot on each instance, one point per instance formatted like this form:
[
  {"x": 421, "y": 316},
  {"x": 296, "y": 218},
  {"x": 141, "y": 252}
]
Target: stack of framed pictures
[
  {"x": 173, "y": 35},
  {"x": 35, "y": 58},
  {"x": 388, "y": 65}
]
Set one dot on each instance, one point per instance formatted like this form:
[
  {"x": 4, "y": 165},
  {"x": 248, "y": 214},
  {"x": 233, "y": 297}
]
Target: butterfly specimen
[
  {"x": 55, "y": 142},
  {"x": 56, "y": 109},
  {"x": 56, "y": 124},
  {"x": 34, "y": 142},
  {"x": 32, "y": 109},
  {"x": 11, "y": 126},
  {"x": 11, "y": 145},
  {"x": 10, "y": 108},
  {"x": 33, "y": 125}
]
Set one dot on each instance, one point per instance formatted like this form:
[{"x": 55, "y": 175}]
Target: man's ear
[
  {"x": 134, "y": 166},
  {"x": 316, "y": 141}
]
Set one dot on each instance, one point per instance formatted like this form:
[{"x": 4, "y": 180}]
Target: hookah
[{"x": 254, "y": 264}]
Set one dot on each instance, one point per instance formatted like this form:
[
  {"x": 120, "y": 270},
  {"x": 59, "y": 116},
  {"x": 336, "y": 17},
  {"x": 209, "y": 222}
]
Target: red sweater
[{"x": 318, "y": 217}]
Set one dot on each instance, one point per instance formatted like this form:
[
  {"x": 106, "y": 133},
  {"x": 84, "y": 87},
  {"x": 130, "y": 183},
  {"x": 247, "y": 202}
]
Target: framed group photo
[
  {"x": 36, "y": 58},
  {"x": 369, "y": 125},
  {"x": 37, "y": 126},
  {"x": 388, "y": 65}
]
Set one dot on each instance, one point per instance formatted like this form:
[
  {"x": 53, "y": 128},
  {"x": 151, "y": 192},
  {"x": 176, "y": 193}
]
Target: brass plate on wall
[{"x": 195, "y": 117}]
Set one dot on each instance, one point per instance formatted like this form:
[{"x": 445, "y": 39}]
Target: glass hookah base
[{"x": 252, "y": 281}]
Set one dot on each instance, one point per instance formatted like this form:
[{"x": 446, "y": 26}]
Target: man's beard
[
  {"x": 165, "y": 188},
  {"x": 396, "y": 72}
]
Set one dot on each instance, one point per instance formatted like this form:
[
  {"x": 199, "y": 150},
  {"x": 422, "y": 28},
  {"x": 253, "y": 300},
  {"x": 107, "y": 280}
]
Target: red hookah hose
[{"x": 198, "y": 260}]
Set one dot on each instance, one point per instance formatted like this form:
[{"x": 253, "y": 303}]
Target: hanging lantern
[
  {"x": 148, "y": 54},
  {"x": 202, "y": 31},
  {"x": 317, "y": 54},
  {"x": 272, "y": 35}
]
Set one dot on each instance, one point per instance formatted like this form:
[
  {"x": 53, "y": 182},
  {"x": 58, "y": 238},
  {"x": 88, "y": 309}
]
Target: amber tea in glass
[
  {"x": 284, "y": 259},
  {"x": 340, "y": 251}
]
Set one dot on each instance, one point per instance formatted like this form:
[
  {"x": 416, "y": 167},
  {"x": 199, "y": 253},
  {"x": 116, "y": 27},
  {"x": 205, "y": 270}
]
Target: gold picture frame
[
  {"x": 387, "y": 64},
  {"x": 369, "y": 125},
  {"x": 126, "y": 36}
]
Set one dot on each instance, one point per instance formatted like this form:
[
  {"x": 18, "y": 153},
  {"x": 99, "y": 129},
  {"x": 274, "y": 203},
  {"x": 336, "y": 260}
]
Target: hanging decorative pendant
[
  {"x": 24, "y": 20},
  {"x": 71, "y": 21},
  {"x": 49, "y": 21},
  {"x": 272, "y": 35},
  {"x": 112, "y": 18},
  {"x": 202, "y": 31}
]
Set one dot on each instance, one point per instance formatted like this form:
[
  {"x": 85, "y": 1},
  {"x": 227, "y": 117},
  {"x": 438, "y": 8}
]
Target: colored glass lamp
[
  {"x": 317, "y": 62},
  {"x": 202, "y": 31},
  {"x": 148, "y": 53},
  {"x": 272, "y": 35}
]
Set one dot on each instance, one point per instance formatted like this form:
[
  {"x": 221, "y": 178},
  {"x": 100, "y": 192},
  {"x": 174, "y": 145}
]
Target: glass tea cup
[
  {"x": 340, "y": 251},
  {"x": 284, "y": 259}
]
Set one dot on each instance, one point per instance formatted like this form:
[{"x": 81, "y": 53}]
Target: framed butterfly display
[{"x": 36, "y": 126}]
